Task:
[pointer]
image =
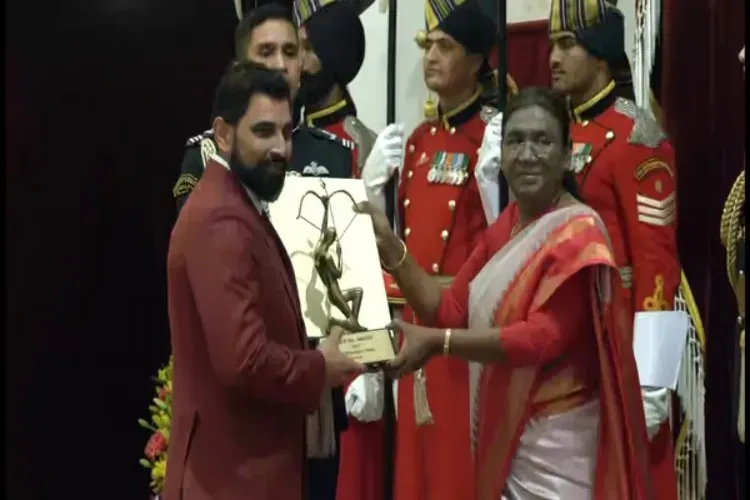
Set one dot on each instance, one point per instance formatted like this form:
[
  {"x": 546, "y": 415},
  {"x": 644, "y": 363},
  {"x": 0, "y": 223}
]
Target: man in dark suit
[{"x": 244, "y": 377}]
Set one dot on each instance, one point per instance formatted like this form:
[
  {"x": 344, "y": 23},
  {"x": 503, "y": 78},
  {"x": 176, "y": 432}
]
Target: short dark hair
[
  {"x": 240, "y": 83},
  {"x": 555, "y": 104},
  {"x": 244, "y": 31}
]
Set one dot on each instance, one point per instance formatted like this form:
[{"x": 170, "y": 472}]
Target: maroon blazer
[{"x": 244, "y": 377}]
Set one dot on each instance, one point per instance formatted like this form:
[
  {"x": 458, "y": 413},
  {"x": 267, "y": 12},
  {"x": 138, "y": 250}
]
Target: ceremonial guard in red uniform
[
  {"x": 441, "y": 216},
  {"x": 624, "y": 165}
]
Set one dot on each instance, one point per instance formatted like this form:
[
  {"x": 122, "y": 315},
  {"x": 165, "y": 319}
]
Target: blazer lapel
[{"x": 272, "y": 240}]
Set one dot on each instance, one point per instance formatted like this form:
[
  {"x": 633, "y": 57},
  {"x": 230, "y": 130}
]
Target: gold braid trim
[{"x": 732, "y": 226}]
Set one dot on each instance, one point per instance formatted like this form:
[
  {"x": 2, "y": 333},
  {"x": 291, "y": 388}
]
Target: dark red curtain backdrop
[
  {"x": 100, "y": 98},
  {"x": 528, "y": 53},
  {"x": 703, "y": 96}
]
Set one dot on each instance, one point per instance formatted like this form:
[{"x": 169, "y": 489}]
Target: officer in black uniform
[{"x": 311, "y": 146}]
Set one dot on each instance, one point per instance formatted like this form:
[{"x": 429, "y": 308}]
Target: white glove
[
  {"x": 655, "y": 406},
  {"x": 386, "y": 157},
  {"x": 487, "y": 169},
  {"x": 364, "y": 397}
]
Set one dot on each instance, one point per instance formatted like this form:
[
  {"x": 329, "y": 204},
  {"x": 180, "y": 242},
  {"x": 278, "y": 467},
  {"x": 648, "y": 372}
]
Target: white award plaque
[{"x": 337, "y": 250}]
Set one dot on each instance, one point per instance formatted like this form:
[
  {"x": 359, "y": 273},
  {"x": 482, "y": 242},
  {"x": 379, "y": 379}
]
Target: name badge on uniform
[
  {"x": 449, "y": 168},
  {"x": 580, "y": 156}
]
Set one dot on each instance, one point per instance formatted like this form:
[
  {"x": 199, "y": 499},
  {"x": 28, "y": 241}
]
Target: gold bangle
[
  {"x": 447, "y": 342},
  {"x": 401, "y": 260}
]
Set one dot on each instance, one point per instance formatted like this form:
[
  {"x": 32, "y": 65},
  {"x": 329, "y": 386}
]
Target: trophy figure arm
[{"x": 339, "y": 265}]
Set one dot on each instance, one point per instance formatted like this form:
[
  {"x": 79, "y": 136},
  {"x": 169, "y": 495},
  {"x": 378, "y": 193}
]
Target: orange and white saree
[{"x": 545, "y": 426}]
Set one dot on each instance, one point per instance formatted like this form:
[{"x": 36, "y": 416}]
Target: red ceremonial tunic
[
  {"x": 625, "y": 169},
  {"x": 441, "y": 221}
]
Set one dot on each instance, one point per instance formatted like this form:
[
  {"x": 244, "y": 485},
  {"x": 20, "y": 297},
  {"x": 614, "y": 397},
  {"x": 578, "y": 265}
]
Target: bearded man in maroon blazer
[{"x": 244, "y": 377}]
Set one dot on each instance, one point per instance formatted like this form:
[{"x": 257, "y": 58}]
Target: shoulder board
[
  {"x": 324, "y": 134},
  {"x": 195, "y": 140},
  {"x": 646, "y": 130},
  {"x": 363, "y": 137},
  {"x": 184, "y": 185},
  {"x": 488, "y": 113}
]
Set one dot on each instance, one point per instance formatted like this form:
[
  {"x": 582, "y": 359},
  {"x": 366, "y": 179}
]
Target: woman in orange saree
[{"x": 555, "y": 397}]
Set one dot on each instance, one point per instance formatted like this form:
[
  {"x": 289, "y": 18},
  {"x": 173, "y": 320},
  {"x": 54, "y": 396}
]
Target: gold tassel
[
  {"x": 422, "y": 410},
  {"x": 430, "y": 108}
]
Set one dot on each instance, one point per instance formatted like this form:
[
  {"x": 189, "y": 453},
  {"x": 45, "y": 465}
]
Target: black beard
[
  {"x": 266, "y": 179},
  {"x": 314, "y": 88}
]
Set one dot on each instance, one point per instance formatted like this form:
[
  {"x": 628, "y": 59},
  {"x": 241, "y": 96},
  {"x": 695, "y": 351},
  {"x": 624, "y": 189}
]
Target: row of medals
[{"x": 454, "y": 175}]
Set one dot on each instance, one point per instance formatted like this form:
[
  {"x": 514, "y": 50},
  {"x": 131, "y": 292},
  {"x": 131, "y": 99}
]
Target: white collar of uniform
[{"x": 260, "y": 205}]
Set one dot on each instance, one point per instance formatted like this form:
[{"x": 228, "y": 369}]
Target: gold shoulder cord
[
  {"x": 733, "y": 232},
  {"x": 733, "y": 227}
]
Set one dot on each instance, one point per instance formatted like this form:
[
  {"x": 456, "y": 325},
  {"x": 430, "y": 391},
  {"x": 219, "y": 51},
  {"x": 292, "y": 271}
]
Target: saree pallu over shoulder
[{"x": 517, "y": 281}]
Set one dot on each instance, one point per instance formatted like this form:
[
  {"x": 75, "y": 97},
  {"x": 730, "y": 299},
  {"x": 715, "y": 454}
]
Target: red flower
[
  {"x": 156, "y": 445},
  {"x": 163, "y": 393}
]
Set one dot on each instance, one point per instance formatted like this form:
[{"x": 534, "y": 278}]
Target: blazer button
[
  {"x": 452, "y": 205},
  {"x": 433, "y": 130},
  {"x": 411, "y": 148},
  {"x": 409, "y": 174},
  {"x": 585, "y": 123},
  {"x": 406, "y": 202},
  {"x": 444, "y": 235},
  {"x": 588, "y": 159},
  {"x": 452, "y": 130},
  {"x": 609, "y": 135},
  {"x": 407, "y": 231},
  {"x": 435, "y": 268}
]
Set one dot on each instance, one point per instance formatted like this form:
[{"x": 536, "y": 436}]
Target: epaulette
[
  {"x": 195, "y": 140},
  {"x": 363, "y": 137},
  {"x": 324, "y": 134},
  {"x": 184, "y": 185},
  {"x": 646, "y": 130}
]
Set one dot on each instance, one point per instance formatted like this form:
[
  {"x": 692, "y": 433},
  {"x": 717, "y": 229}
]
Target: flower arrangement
[{"x": 161, "y": 418}]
